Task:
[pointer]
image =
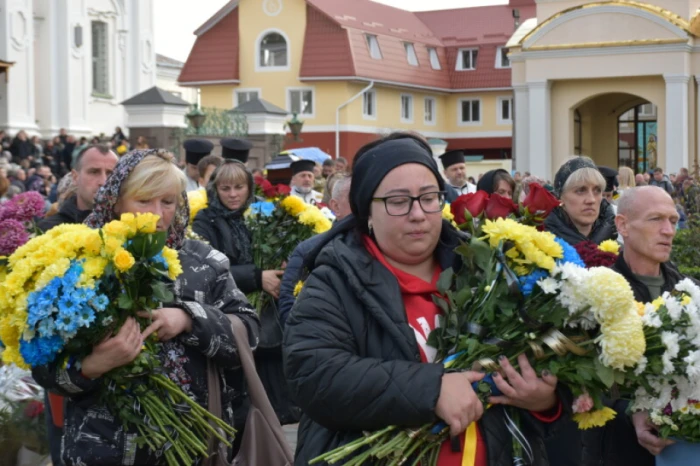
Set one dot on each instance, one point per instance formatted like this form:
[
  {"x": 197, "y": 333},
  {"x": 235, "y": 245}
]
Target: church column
[
  {"x": 540, "y": 137},
  {"x": 521, "y": 127},
  {"x": 677, "y": 131}
]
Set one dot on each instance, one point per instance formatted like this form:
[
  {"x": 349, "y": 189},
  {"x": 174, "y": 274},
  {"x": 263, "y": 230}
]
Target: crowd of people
[{"x": 353, "y": 356}]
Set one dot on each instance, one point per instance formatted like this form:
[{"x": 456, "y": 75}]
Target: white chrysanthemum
[
  {"x": 570, "y": 271},
  {"x": 670, "y": 341},
  {"x": 693, "y": 364},
  {"x": 549, "y": 285},
  {"x": 675, "y": 308},
  {"x": 641, "y": 365},
  {"x": 651, "y": 317},
  {"x": 688, "y": 286}
]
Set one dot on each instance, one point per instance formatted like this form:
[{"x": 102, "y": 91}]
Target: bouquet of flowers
[
  {"x": 72, "y": 287},
  {"x": 598, "y": 255},
  {"x": 17, "y": 220},
  {"x": 668, "y": 378},
  {"x": 470, "y": 210},
  {"x": 521, "y": 291}
]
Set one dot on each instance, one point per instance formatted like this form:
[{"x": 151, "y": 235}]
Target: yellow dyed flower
[
  {"x": 622, "y": 341},
  {"x": 198, "y": 201},
  {"x": 298, "y": 287},
  {"x": 173, "y": 261},
  {"x": 657, "y": 303},
  {"x": 641, "y": 309},
  {"x": 293, "y": 205},
  {"x": 147, "y": 222},
  {"x": 117, "y": 229},
  {"x": 610, "y": 246},
  {"x": 112, "y": 244},
  {"x": 447, "y": 214},
  {"x": 686, "y": 300},
  {"x": 92, "y": 242},
  {"x": 597, "y": 418},
  {"x": 93, "y": 267},
  {"x": 129, "y": 220},
  {"x": 123, "y": 260}
]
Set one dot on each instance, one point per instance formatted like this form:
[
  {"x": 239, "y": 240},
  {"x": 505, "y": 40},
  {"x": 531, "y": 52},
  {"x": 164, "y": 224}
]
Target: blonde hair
[
  {"x": 583, "y": 177},
  {"x": 625, "y": 176},
  {"x": 232, "y": 173},
  {"x": 154, "y": 176}
]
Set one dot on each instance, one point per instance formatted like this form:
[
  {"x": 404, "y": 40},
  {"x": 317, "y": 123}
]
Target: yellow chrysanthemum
[
  {"x": 535, "y": 247},
  {"x": 622, "y": 341},
  {"x": 147, "y": 222},
  {"x": 173, "y": 261},
  {"x": 610, "y": 246},
  {"x": 597, "y": 418},
  {"x": 198, "y": 201},
  {"x": 112, "y": 244},
  {"x": 658, "y": 302},
  {"x": 123, "y": 260},
  {"x": 447, "y": 215},
  {"x": 609, "y": 294},
  {"x": 93, "y": 267},
  {"x": 298, "y": 287},
  {"x": 117, "y": 229},
  {"x": 293, "y": 205},
  {"x": 313, "y": 217}
]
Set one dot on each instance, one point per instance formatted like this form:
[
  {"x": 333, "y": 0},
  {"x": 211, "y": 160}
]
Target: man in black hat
[
  {"x": 195, "y": 150},
  {"x": 235, "y": 149},
  {"x": 611, "y": 183},
  {"x": 303, "y": 181},
  {"x": 455, "y": 170}
]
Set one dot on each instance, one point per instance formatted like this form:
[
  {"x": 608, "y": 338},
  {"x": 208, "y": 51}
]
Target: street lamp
[
  {"x": 295, "y": 125},
  {"x": 196, "y": 118}
]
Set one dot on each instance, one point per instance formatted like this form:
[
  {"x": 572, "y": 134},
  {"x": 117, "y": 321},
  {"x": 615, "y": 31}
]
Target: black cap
[
  {"x": 610, "y": 176},
  {"x": 196, "y": 150},
  {"x": 302, "y": 166},
  {"x": 452, "y": 157},
  {"x": 235, "y": 149}
]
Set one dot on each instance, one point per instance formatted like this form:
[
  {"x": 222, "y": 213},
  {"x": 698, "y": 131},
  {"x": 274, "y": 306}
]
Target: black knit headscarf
[{"x": 567, "y": 169}]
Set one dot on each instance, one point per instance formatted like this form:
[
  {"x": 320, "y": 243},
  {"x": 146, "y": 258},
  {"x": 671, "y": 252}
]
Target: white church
[{"x": 69, "y": 64}]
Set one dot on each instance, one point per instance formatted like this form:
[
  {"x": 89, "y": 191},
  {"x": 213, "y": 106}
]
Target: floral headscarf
[{"x": 108, "y": 195}]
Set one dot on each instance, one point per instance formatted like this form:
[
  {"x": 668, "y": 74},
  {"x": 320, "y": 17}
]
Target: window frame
[
  {"x": 237, "y": 102},
  {"x": 411, "y": 54},
  {"x": 106, "y": 91},
  {"x": 434, "y": 64},
  {"x": 433, "y": 121},
  {"x": 499, "y": 110},
  {"x": 365, "y": 94},
  {"x": 499, "y": 53},
  {"x": 368, "y": 41},
  {"x": 459, "y": 66},
  {"x": 313, "y": 100},
  {"x": 460, "y": 121},
  {"x": 258, "y": 43},
  {"x": 410, "y": 108}
]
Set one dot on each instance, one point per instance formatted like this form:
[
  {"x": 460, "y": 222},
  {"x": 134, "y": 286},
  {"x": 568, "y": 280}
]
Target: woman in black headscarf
[
  {"x": 355, "y": 349},
  {"x": 497, "y": 181}
]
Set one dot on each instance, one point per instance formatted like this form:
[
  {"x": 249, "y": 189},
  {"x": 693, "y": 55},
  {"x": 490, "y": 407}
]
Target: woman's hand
[
  {"x": 271, "y": 282},
  {"x": 169, "y": 322},
  {"x": 114, "y": 351},
  {"x": 524, "y": 390},
  {"x": 646, "y": 434},
  {"x": 458, "y": 404}
]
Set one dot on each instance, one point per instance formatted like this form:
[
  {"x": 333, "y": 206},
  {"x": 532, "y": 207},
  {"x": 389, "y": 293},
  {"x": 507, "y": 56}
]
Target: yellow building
[{"x": 355, "y": 70}]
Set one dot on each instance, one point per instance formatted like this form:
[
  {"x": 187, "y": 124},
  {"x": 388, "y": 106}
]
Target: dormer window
[
  {"x": 411, "y": 54},
  {"x": 373, "y": 44},
  {"x": 434, "y": 59},
  {"x": 273, "y": 51},
  {"x": 502, "y": 60},
  {"x": 466, "y": 59}
]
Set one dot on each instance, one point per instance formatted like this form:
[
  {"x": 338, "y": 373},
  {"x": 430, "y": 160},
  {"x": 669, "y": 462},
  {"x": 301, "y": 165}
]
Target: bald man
[{"x": 646, "y": 219}]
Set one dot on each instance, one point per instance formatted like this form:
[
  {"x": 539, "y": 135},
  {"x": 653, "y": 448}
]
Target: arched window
[{"x": 273, "y": 51}]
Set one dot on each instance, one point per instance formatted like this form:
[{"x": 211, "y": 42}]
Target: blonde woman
[{"x": 625, "y": 176}]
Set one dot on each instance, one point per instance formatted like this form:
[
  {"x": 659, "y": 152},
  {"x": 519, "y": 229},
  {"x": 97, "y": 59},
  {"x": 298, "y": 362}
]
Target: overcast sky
[{"x": 176, "y": 20}]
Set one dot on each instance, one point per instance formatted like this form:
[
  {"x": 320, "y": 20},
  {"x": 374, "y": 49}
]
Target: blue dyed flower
[
  {"x": 86, "y": 316},
  {"x": 100, "y": 302},
  {"x": 528, "y": 282},
  {"x": 67, "y": 323},
  {"x": 67, "y": 305},
  {"x": 40, "y": 351},
  {"x": 47, "y": 327},
  {"x": 263, "y": 208},
  {"x": 36, "y": 313},
  {"x": 570, "y": 254},
  {"x": 72, "y": 275},
  {"x": 159, "y": 259}
]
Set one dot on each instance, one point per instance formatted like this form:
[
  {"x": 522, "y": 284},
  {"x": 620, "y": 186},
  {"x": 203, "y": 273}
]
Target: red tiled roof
[
  {"x": 326, "y": 47},
  {"x": 214, "y": 56}
]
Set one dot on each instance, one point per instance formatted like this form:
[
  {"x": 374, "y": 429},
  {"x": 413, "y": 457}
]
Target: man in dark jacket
[
  {"x": 661, "y": 180},
  {"x": 294, "y": 272},
  {"x": 92, "y": 167},
  {"x": 646, "y": 220}
]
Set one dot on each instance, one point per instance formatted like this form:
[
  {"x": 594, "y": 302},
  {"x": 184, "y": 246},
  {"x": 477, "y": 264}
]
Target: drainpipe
[{"x": 337, "y": 116}]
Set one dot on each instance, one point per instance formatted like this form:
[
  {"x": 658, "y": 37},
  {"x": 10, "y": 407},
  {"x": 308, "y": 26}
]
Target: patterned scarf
[{"x": 108, "y": 195}]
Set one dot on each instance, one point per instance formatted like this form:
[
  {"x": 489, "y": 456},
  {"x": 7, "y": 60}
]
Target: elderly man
[
  {"x": 455, "y": 169},
  {"x": 340, "y": 205},
  {"x": 303, "y": 181},
  {"x": 646, "y": 219}
]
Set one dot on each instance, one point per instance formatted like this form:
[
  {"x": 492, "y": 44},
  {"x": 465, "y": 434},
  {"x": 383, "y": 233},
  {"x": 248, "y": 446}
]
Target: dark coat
[
  {"x": 68, "y": 213},
  {"x": 206, "y": 291},
  {"x": 215, "y": 228},
  {"x": 352, "y": 361},
  {"x": 559, "y": 223}
]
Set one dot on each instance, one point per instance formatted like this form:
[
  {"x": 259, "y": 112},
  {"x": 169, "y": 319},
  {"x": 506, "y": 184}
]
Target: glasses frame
[{"x": 413, "y": 199}]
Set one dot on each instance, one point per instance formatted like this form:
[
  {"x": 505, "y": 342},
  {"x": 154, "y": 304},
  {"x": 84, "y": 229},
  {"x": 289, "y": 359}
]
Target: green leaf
[
  {"x": 482, "y": 253},
  {"x": 125, "y": 302},
  {"x": 605, "y": 374},
  {"x": 154, "y": 243},
  {"x": 161, "y": 292},
  {"x": 444, "y": 283}
]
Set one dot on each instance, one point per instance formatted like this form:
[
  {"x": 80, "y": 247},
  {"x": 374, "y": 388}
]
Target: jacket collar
[{"x": 671, "y": 277}]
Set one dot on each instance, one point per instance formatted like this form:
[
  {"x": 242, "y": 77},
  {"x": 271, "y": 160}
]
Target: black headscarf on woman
[
  {"x": 240, "y": 236},
  {"x": 486, "y": 182}
]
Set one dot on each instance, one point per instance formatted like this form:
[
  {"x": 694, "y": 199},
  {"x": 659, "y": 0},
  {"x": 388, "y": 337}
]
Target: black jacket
[
  {"x": 68, "y": 213},
  {"x": 559, "y": 223},
  {"x": 216, "y": 230},
  {"x": 352, "y": 361},
  {"x": 205, "y": 290}
]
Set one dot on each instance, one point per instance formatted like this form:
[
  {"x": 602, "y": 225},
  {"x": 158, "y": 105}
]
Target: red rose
[
  {"x": 33, "y": 409},
  {"x": 283, "y": 190},
  {"x": 500, "y": 207},
  {"x": 540, "y": 201},
  {"x": 475, "y": 203}
]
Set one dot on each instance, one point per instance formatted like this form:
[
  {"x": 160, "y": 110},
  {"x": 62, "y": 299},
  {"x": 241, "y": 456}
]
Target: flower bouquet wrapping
[
  {"x": 17, "y": 220},
  {"x": 520, "y": 291},
  {"x": 72, "y": 287}
]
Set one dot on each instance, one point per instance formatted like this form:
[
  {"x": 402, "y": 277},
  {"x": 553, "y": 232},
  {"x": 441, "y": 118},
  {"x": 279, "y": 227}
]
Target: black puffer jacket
[
  {"x": 68, "y": 213},
  {"x": 559, "y": 223},
  {"x": 205, "y": 290},
  {"x": 352, "y": 361}
]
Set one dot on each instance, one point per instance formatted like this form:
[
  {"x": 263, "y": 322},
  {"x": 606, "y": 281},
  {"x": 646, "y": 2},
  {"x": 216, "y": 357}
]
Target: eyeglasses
[{"x": 398, "y": 206}]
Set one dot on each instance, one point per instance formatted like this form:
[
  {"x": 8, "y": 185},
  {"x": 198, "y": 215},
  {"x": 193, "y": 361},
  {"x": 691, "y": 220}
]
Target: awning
[{"x": 285, "y": 159}]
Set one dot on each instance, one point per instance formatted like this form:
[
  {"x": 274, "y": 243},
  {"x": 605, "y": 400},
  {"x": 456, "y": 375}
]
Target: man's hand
[
  {"x": 646, "y": 434},
  {"x": 169, "y": 322}
]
